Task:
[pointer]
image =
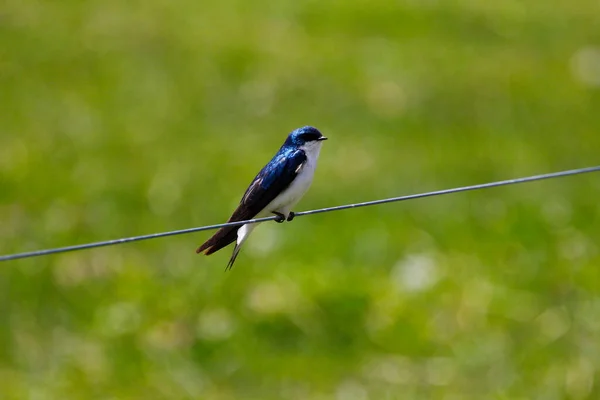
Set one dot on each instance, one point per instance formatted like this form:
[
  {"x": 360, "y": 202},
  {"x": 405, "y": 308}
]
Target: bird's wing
[{"x": 273, "y": 179}]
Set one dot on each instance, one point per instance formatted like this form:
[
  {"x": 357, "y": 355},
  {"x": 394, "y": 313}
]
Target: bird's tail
[
  {"x": 242, "y": 235},
  {"x": 236, "y": 251}
]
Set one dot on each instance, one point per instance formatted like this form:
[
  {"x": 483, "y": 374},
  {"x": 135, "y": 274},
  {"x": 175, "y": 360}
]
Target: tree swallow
[{"x": 277, "y": 188}]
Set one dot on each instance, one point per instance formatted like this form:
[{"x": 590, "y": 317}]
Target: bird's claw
[{"x": 279, "y": 218}]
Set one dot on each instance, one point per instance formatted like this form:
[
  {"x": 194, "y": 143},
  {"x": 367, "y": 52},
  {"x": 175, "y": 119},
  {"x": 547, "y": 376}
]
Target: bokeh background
[{"x": 120, "y": 118}]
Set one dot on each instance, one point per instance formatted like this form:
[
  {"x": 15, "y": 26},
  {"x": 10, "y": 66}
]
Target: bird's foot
[
  {"x": 291, "y": 216},
  {"x": 279, "y": 217}
]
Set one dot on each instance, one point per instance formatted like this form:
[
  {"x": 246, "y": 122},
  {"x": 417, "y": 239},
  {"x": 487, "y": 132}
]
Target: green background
[{"x": 121, "y": 118}]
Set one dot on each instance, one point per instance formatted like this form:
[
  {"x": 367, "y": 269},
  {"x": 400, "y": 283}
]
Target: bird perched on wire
[{"x": 276, "y": 189}]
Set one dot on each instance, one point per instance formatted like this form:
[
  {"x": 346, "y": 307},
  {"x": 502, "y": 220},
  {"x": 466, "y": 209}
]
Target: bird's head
[{"x": 306, "y": 136}]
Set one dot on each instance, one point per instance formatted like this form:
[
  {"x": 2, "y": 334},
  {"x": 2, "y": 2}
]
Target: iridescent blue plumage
[
  {"x": 272, "y": 190},
  {"x": 274, "y": 177}
]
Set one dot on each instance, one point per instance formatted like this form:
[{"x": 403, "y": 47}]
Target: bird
[{"x": 275, "y": 190}]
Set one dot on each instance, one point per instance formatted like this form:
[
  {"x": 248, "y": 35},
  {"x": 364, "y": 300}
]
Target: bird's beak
[{"x": 322, "y": 138}]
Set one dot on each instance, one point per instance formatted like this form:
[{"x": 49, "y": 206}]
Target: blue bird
[{"x": 277, "y": 188}]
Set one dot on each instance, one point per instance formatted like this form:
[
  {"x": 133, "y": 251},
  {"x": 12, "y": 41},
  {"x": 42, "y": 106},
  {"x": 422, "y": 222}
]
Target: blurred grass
[{"x": 120, "y": 119}]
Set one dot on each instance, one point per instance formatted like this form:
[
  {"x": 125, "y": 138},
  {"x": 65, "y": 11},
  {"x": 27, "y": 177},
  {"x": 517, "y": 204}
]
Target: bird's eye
[{"x": 310, "y": 136}]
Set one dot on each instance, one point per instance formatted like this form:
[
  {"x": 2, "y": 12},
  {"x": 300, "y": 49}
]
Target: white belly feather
[{"x": 291, "y": 196}]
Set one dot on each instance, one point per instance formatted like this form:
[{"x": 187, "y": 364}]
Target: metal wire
[{"x": 38, "y": 253}]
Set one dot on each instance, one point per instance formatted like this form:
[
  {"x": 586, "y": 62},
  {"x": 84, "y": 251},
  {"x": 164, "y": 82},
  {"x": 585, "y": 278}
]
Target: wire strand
[{"x": 57, "y": 250}]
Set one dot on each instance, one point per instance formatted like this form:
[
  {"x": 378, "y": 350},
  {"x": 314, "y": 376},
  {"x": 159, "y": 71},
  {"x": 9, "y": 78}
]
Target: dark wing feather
[{"x": 274, "y": 178}]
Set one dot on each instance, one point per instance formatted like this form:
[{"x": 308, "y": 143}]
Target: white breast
[{"x": 292, "y": 195}]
